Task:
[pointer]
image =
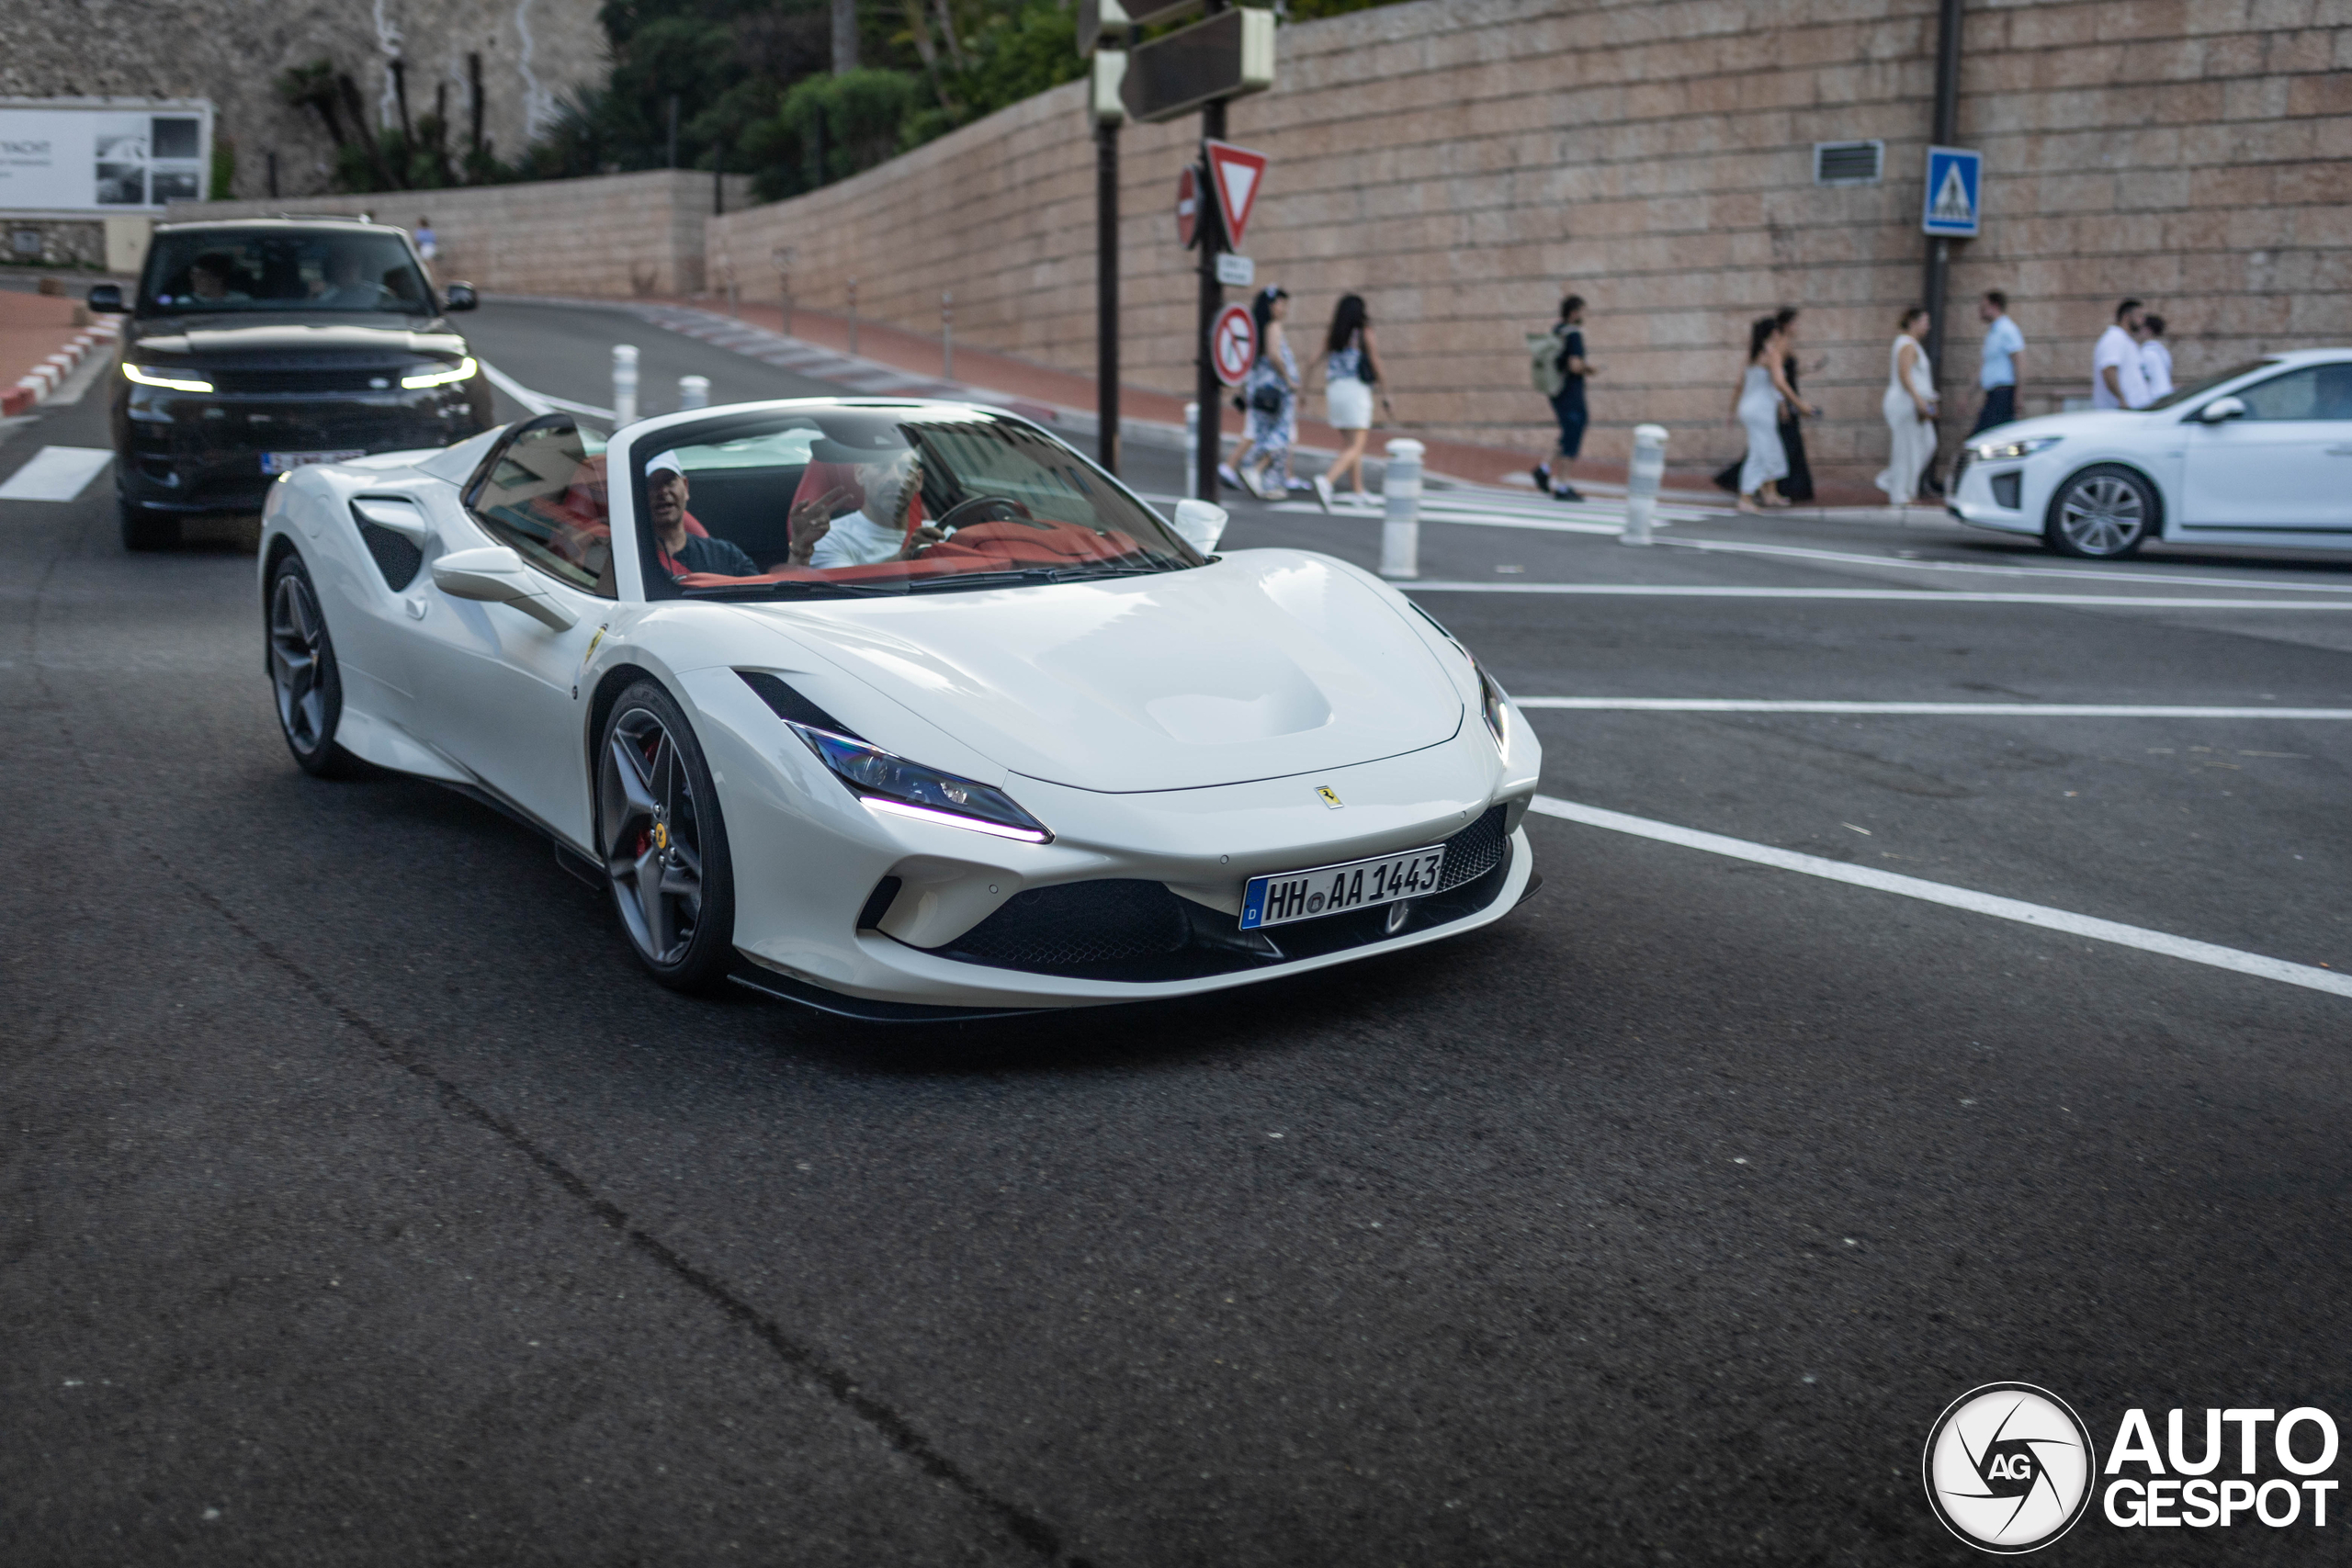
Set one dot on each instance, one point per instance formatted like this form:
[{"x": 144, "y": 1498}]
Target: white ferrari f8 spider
[{"x": 900, "y": 709}]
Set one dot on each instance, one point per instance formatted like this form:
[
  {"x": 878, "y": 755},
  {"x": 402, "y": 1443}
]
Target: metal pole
[
  {"x": 782, "y": 256},
  {"x": 624, "y": 384},
  {"x": 1192, "y": 451},
  {"x": 948, "y": 335},
  {"x": 1106, "y": 293},
  {"x": 1946, "y": 130},
  {"x": 1206, "y": 389},
  {"x": 853, "y": 318}
]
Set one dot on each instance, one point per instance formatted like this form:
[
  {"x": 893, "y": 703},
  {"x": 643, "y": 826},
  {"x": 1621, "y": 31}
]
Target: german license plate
[
  {"x": 286, "y": 462},
  {"x": 1288, "y": 896}
]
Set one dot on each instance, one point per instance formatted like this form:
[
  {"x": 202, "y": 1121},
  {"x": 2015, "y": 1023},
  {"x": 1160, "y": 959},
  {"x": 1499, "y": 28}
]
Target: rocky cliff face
[{"x": 233, "y": 51}]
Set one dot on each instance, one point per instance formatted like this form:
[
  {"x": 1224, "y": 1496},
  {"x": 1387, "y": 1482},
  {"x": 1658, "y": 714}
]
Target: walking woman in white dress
[
  {"x": 1910, "y": 407},
  {"x": 1756, "y": 407}
]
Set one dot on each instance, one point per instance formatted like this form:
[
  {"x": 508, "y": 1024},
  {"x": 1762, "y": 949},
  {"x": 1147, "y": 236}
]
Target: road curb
[{"x": 45, "y": 377}]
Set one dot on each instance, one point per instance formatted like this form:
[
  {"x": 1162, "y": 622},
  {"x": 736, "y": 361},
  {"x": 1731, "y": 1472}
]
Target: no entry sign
[
  {"x": 1188, "y": 206},
  {"x": 1233, "y": 343}
]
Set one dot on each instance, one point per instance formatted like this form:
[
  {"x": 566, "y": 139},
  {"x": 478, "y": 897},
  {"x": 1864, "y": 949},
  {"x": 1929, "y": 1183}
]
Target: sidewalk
[{"x": 42, "y": 336}]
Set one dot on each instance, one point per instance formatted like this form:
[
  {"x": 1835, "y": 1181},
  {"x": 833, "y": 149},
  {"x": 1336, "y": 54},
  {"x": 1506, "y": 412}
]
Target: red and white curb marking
[{"x": 44, "y": 378}]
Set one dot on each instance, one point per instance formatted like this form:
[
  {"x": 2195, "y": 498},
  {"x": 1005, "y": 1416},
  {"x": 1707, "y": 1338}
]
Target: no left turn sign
[{"x": 1233, "y": 343}]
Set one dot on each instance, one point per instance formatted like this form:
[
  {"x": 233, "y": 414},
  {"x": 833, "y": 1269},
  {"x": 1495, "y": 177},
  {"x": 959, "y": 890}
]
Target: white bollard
[
  {"x": 624, "y": 383},
  {"x": 694, "y": 391},
  {"x": 1192, "y": 451},
  {"x": 1400, "y": 527},
  {"x": 1642, "y": 479}
]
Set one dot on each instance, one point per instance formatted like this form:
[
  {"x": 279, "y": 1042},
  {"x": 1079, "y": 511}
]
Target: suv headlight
[
  {"x": 909, "y": 789},
  {"x": 441, "y": 375},
  {"x": 2004, "y": 451},
  {"x": 146, "y": 378}
]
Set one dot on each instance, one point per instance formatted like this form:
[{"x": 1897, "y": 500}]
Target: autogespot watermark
[{"x": 2011, "y": 1468}]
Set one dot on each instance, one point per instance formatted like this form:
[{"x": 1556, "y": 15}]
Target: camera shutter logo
[{"x": 2009, "y": 1467}]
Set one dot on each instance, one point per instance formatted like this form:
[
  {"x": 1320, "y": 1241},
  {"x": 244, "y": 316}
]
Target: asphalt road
[{"x": 360, "y": 1203}]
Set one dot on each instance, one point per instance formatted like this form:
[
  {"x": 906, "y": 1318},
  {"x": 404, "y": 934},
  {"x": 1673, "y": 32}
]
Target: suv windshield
[
  {"x": 900, "y": 500},
  {"x": 213, "y": 270}
]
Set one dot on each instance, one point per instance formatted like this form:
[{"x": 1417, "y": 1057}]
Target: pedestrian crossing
[{"x": 1475, "y": 507}]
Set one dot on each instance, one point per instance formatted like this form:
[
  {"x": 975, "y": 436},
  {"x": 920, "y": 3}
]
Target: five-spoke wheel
[
  {"x": 302, "y": 670},
  {"x": 2102, "y": 514},
  {"x": 664, "y": 848}
]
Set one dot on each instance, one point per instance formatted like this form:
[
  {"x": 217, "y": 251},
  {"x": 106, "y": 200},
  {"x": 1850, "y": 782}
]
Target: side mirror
[
  {"x": 496, "y": 575},
  {"x": 105, "y": 298},
  {"x": 2220, "y": 409},
  {"x": 458, "y": 297},
  {"x": 1201, "y": 524}
]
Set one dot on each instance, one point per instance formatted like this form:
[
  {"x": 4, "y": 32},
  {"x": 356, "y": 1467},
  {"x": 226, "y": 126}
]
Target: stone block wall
[
  {"x": 620, "y": 235},
  {"x": 1463, "y": 162}
]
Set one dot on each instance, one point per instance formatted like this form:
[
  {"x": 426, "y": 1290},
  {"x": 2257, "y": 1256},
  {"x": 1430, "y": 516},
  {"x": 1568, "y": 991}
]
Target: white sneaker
[
  {"x": 1323, "y": 491},
  {"x": 1225, "y": 472}
]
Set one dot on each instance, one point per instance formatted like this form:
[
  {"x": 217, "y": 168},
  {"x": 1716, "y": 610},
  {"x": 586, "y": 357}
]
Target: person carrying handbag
[
  {"x": 1350, "y": 379},
  {"x": 1269, "y": 399}
]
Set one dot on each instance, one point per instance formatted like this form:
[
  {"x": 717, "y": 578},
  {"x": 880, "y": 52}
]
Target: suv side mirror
[
  {"x": 458, "y": 297},
  {"x": 2220, "y": 409},
  {"x": 105, "y": 298},
  {"x": 1201, "y": 524}
]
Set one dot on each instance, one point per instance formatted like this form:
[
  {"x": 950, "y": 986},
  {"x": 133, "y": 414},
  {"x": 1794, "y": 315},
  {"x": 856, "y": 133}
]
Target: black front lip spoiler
[{"x": 784, "y": 987}]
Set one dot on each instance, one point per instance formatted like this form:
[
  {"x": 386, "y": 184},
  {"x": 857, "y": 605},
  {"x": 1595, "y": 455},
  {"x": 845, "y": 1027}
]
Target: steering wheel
[{"x": 983, "y": 509}]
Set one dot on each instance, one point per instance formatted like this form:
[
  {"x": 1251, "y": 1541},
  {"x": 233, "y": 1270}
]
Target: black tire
[
  {"x": 662, "y": 841},
  {"x": 145, "y": 529},
  {"x": 2104, "y": 513},
  {"x": 306, "y": 681}
]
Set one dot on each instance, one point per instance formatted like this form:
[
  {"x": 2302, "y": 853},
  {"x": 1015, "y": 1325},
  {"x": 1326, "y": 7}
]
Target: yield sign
[
  {"x": 1188, "y": 206},
  {"x": 1234, "y": 173},
  {"x": 1233, "y": 343}
]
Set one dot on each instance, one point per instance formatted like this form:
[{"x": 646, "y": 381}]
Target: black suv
[{"x": 256, "y": 346}]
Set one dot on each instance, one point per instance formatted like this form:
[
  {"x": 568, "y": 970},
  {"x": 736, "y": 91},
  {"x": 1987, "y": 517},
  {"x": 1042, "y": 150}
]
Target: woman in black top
[{"x": 1798, "y": 486}]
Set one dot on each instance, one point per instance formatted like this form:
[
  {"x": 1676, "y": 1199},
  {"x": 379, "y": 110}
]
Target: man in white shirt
[
  {"x": 875, "y": 532},
  {"x": 2003, "y": 345},
  {"x": 2156, "y": 359},
  {"x": 2116, "y": 379}
]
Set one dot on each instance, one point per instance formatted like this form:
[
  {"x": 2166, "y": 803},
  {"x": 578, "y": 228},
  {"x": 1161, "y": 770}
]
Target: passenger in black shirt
[{"x": 665, "y": 494}]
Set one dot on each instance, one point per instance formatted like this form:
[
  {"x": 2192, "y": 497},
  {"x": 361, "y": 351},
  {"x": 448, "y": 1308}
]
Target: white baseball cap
[{"x": 667, "y": 460}]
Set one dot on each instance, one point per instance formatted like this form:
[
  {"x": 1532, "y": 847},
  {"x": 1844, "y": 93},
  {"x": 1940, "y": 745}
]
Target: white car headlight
[
  {"x": 462, "y": 371},
  {"x": 2004, "y": 451},
  {"x": 1494, "y": 706},
  {"x": 146, "y": 378},
  {"x": 909, "y": 789}
]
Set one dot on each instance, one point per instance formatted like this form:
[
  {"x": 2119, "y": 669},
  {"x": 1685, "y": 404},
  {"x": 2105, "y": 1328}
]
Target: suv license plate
[
  {"x": 286, "y": 462},
  {"x": 1288, "y": 896}
]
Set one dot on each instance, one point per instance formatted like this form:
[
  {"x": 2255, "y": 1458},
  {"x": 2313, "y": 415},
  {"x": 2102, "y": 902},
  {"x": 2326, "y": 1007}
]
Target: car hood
[
  {"x": 217, "y": 337},
  {"x": 2104, "y": 424},
  {"x": 1260, "y": 665}
]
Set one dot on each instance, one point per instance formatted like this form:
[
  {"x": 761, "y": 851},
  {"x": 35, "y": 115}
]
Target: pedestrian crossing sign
[{"x": 1955, "y": 181}]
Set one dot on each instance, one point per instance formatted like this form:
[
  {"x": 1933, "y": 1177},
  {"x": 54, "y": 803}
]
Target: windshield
[
  {"x": 281, "y": 269},
  {"x": 899, "y": 500},
  {"x": 2207, "y": 385}
]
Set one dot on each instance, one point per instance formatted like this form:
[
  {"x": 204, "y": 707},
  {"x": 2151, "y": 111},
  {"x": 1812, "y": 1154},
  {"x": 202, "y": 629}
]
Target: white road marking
[
  {"x": 537, "y": 402},
  {"x": 56, "y": 473},
  {"x": 1913, "y": 595},
  {"x": 1802, "y": 552},
  {"x": 2016, "y": 910},
  {"x": 1988, "y": 710}
]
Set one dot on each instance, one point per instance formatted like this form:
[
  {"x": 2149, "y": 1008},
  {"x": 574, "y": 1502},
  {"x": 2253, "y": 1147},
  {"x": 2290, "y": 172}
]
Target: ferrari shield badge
[{"x": 1329, "y": 796}]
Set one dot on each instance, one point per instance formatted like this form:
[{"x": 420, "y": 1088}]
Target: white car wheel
[{"x": 2105, "y": 512}]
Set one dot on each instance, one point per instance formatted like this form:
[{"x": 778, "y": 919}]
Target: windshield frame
[
  {"x": 2212, "y": 384},
  {"x": 637, "y": 445},
  {"x": 146, "y": 304}
]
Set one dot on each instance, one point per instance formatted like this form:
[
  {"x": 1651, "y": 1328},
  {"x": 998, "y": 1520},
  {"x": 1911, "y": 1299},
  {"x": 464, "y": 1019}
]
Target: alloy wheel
[
  {"x": 2103, "y": 515},
  {"x": 296, "y": 655},
  {"x": 652, "y": 836}
]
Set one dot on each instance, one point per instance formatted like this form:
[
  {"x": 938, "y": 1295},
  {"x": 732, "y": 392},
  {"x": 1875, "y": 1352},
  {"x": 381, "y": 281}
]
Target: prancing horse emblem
[{"x": 1331, "y": 796}]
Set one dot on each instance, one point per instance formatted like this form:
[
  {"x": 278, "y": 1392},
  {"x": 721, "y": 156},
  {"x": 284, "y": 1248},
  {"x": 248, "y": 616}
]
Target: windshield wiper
[{"x": 1013, "y": 577}]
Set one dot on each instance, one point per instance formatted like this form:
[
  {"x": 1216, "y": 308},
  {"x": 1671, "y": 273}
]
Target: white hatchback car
[{"x": 2258, "y": 455}]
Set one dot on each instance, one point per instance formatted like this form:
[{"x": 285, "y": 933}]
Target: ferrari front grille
[{"x": 1078, "y": 923}]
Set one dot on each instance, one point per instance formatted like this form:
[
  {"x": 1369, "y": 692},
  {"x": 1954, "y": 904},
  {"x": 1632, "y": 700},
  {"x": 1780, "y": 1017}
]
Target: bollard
[
  {"x": 1642, "y": 480},
  {"x": 694, "y": 391},
  {"x": 624, "y": 384},
  {"x": 1192, "y": 451},
  {"x": 948, "y": 336},
  {"x": 1400, "y": 527},
  {"x": 853, "y": 318}
]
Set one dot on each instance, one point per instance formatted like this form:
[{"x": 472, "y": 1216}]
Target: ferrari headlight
[
  {"x": 1494, "y": 706},
  {"x": 146, "y": 378},
  {"x": 909, "y": 789},
  {"x": 2004, "y": 451},
  {"x": 463, "y": 370}
]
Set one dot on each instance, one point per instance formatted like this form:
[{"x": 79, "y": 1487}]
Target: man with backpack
[{"x": 1557, "y": 362}]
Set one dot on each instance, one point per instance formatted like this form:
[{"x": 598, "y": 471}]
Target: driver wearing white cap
[{"x": 666, "y": 496}]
